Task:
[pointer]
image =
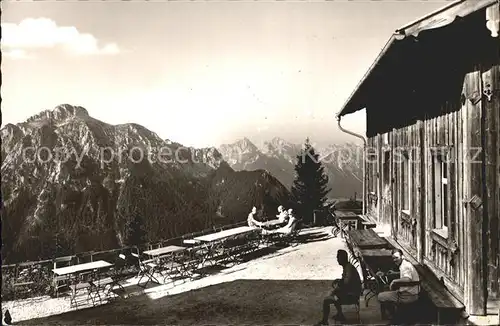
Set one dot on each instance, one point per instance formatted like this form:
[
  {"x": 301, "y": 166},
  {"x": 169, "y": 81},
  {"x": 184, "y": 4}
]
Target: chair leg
[
  {"x": 72, "y": 301},
  {"x": 140, "y": 279},
  {"x": 92, "y": 297},
  {"x": 358, "y": 312}
]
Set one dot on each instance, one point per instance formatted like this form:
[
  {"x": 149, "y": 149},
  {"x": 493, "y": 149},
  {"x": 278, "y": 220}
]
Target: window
[
  {"x": 444, "y": 192},
  {"x": 441, "y": 192},
  {"x": 372, "y": 169},
  {"x": 405, "y": 182},
  {"x": 386, "y": 167}
]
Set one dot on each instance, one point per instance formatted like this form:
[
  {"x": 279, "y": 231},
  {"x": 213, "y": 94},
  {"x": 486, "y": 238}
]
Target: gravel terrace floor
[{"x": 283, "y": 286}]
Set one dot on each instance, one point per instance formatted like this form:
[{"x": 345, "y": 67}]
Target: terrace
[
  {"x": 273, "y": 285},
  {"x": 269, "y": 285}
]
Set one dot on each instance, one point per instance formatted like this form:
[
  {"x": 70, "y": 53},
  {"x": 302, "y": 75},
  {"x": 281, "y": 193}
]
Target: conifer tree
[
  {"x": 310, "y": 185},
  {"x": 136, "y": 233}
]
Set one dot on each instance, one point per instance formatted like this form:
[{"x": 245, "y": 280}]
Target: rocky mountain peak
[
  {"x": 60, "y": 113},
  {"x": 242, "y": 149},
  {"x": 278, "y": 146},
  {"x": 72, "y": 183},
  {"x": 278, "y": 156},
  {"x": 208, "y": 155},
  {"x": 246, "y": 145}
]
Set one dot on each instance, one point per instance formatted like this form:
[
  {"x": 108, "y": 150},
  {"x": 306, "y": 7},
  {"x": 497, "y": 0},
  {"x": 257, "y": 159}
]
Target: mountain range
[
  {"x": 342, "y": 162},
  {"x": 72, "y": 183}
]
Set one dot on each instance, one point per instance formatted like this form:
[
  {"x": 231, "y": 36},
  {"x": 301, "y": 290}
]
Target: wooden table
[
  {"x": 73, "y": 270},
  {"x": 191, "y": 241},
  {"x": 372, "y": 262},
  {"x": 272, "y": 223},
  {"x": 367, "y": 222},
  {"x": 347, "y": 221},
  {"x": 221, "y": 235},
  {"x": 382, "y": 252},
  {"x": 164, "y": 251},
  {"x": 367, "y": 239},
  {"x": 214, "y": 243}
]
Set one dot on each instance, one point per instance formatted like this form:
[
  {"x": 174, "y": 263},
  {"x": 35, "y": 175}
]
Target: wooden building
[{"x": 432, "y": 171}]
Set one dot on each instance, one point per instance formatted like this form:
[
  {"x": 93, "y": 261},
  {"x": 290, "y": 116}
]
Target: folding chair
[
  {"x": 146, "y": 269},
  {"x": 107, "y": 284},
  {"x": 75, "y": 288},
  {"x": 61, "y": 281},
  {"x": 406, "y": 312},
  {"x": 353, "y": 302},
  {"x": 81, "y": 283},
  {"x": 180, "y": 265}
]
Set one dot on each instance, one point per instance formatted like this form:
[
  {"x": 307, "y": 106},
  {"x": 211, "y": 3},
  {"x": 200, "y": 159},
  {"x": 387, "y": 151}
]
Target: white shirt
[
  {"x": 282, "y": 216},
  {"x": 290, "y": 222},
  {"x": 407, "y": 270},
  {"x": 287, "y": 228}
]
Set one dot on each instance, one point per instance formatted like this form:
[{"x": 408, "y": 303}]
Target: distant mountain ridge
[
  {"x": 72, "y": 183},
  {"x": 342, "y": 162}
]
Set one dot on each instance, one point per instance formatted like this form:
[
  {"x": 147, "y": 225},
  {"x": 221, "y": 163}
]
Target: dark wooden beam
[
  {"x": 491, "y": 85},
  {"x": 475, "y": 298},
  {"x": 445, "y": 16}
]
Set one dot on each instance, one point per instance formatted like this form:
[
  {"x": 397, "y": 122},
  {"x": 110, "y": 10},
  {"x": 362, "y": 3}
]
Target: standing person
[
  {"x": 252, "y": 222},
  {"x": 406, "y": 294},
  {"x": 346, "y": 289}
]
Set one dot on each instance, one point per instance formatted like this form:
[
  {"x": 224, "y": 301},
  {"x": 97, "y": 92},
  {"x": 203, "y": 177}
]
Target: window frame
[
  {"x": 406, "y": 175},
  {"x": 441, "y": 191}
]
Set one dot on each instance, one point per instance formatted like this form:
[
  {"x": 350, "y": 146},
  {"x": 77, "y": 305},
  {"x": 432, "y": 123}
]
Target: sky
[{"x": 201, "y": 73}]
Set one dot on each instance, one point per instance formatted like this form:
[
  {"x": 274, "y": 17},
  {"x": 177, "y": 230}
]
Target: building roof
[{"x": 396, "y": 50}]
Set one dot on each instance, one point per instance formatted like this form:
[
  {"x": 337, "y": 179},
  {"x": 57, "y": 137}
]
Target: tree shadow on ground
[
  {"x": 313, "y": 237},
  {"x": 237, "y": 302},
  {"x": 258, "y": 253}
]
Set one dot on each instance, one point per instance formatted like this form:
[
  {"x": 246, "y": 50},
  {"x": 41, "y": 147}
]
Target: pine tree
[{"x": 309, "y": 188}]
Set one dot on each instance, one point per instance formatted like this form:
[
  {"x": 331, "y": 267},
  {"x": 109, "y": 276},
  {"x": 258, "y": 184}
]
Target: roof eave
[
  {"x": 436, "y": 19},
  {"x": 384, "y": 50}
]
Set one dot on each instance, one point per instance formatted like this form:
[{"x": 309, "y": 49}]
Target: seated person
[
  {"x": 283, "y": 214},
  {"x": 347, "y": 289},
  {"x": 405, "y": 294},
  {"x": 288, "y": 228},
  {"x": 252, "y": 222},
  {"x": 388, "y": 276}
]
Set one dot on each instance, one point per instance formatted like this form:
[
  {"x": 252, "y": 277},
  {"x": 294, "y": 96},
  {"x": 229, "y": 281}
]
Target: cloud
[
  {"x": 43, "y": 33},
  {"x": 17, "y": 54}
]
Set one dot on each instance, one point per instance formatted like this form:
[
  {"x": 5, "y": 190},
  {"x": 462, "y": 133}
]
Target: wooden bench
[{"x": 448, "y": 308}]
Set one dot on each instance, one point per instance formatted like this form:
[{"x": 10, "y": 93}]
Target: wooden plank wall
[
  {"x": 408, "y": 140},
  {"x": 474, "y": 291},
  {"x": 422, "y": 139},
  {"x": 444, "y": 135},
  {"x": 463, "y": 128},
  {"x": 496, "y": 104},
  {"x": 491, "y": 83},
  {"x": 385, "y": 199}
]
